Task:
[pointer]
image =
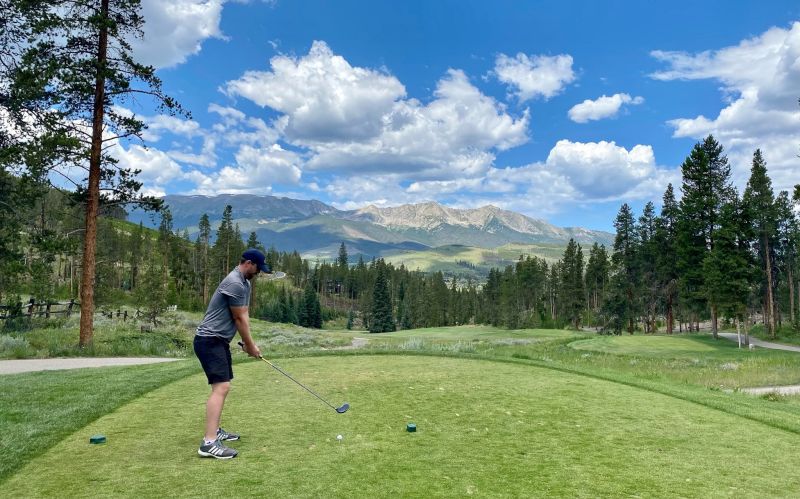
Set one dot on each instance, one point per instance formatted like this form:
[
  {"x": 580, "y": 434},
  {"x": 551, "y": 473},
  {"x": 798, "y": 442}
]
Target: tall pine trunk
[
  {"x": 93, "y": 188},
  {"x": 770, "y": 302},
  {"x": 714, "y": 321},
  {"x": 738, "y": 332},
  {"x": 746, "y": 330},
  {"x": 791, "y": 295},
  {"x": 205, "y": 274},
  {"x": 670, "y": 318}
]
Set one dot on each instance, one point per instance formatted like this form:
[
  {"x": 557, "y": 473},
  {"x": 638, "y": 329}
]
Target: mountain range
[{"x": 316, "y": 229}]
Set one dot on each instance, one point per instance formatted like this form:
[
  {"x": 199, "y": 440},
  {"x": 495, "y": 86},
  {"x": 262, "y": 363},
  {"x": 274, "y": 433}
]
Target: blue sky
[{"x": 558, "y": 110}]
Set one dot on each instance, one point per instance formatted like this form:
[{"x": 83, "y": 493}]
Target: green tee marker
[
  {"x": 411, "y": 427},
  {"x": 97, "y": 439}
]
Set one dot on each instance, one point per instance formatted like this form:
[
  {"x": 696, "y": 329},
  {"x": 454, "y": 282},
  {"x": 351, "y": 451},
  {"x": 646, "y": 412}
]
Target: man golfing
[{"x": 227, "y": 313}]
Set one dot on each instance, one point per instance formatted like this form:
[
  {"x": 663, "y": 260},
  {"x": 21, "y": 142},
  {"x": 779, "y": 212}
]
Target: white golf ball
[{"x": 339, "y": 437}]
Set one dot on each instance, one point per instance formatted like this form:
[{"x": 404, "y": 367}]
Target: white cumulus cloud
[
  {"x": 157, "y": 168},
  {"x": 174, "y": 30},
  {"x": 760, "y": 78},
  {"x": 603, "y": 107},
  {"x": 535, "y": 75},
  {"x": 256, "y": 171},
  {"x": 323, "y": 97},
  {"x": 358, "y": 119},
  {"x": 601, "y": 169}
]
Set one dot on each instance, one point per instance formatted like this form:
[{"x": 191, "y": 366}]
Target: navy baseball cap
[{"x": 258, "y": 258}]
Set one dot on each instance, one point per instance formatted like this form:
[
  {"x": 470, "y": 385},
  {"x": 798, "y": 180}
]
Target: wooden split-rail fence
[{"x": 33, "y": 309}]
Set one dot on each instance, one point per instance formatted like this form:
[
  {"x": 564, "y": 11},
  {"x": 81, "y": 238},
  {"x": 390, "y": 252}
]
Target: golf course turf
[{"x": 484, "y": 429}]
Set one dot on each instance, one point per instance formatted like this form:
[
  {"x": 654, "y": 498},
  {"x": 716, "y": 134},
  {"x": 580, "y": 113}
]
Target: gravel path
[
  {"x": 762, "y": 344},
  {"x": 29, "y": 365},
  {"x": 781, "y": 390}
]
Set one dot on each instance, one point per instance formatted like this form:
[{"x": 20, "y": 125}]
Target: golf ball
[{"x": 339, "y": 437}]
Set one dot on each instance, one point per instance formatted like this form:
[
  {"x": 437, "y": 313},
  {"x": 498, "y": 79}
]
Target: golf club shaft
[{"x": 312, "y": 392}]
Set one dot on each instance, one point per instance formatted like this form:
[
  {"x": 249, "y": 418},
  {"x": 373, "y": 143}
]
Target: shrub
[{"x": 14, "y": 347}]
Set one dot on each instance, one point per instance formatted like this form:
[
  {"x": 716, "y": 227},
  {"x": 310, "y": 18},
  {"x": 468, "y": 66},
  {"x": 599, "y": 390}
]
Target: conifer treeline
[{"x": 713, "y": 255}]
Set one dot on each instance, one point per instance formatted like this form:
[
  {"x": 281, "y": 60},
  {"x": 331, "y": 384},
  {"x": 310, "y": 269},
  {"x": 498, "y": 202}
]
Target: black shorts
[{"x": 215, "y": 356}]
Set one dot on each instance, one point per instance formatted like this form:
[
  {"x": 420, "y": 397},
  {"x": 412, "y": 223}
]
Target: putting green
[{"x": 488, "y": 429}]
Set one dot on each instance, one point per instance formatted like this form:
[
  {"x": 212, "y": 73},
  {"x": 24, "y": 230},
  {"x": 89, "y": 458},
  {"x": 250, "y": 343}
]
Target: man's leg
[{"x": 216, "y": 401}]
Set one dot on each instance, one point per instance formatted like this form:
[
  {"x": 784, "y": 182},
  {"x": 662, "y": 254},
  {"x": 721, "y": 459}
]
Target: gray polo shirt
[{"x": 233, "y": 291}]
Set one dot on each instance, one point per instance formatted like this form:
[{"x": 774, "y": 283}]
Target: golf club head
[{"x": 343, "y": 408}]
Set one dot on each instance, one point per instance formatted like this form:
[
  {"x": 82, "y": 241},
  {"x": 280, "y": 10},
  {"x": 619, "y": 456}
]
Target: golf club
[{"x": 340, "y": 410}]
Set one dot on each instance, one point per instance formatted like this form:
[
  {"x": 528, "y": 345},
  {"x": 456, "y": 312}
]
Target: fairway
[
  {"x": 466, "y": 333},
  {"x": 485, "y": 429}
]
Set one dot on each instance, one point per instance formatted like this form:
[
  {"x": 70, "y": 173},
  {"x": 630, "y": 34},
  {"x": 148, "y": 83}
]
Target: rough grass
[
  {"x": 112, "y": 337},
  {"x": 485, "y": 428},
  {"x": 697, "y": 359},
  {"x": 171, "y": 338}
]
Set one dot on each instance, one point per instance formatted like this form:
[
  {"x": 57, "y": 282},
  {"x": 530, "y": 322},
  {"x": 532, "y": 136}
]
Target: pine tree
[
  {"x": 283, "y": 314},
  {"x": 293, "y": 309},
  {"x": 759, "y": 201},
  {"x": 553, "y": 292},
  {"x": 150, "y": 294},
  {"x": 706, "y": 187},
  {"x": 572, "y": 296},
  {"x": 786, "y": 248},
  {"x": 73, "y": 63},
  {"x": 453, "y": 304},
  {"x": 204, "y": 238},
  {"x": 666, "y": 256},
  {"x": 225, "y": 246},
  {"x": 625, "y": 267},
  {"x": 491, "y": 299},
  {"x": 11, "y": 267},
  {"x": 165, "y": 244},
  {"x": 510, "y": 303},
  {"x": 342, "y": 260},
  {"x": 306, "y": 314},
  {"x": 728, "y": 267},
  {"x": 596, "y": 277},
  {"x": 381, "y": 318},
  {"x": 136, "y": 254},
  {"x": 401, "y": 304},
  {"x": 316, "y": 313},
  {"x": 252, "y": 242},
  {"x": 342, "y": 272},
  {"x": 796, "y": 203},
  {"x": 647, "y": 265},
  {"x": 436, "y": 299}
]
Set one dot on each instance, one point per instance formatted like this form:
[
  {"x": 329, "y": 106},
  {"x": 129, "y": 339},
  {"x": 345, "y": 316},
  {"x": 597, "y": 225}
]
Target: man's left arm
[{"x": 241, "y": 317}]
